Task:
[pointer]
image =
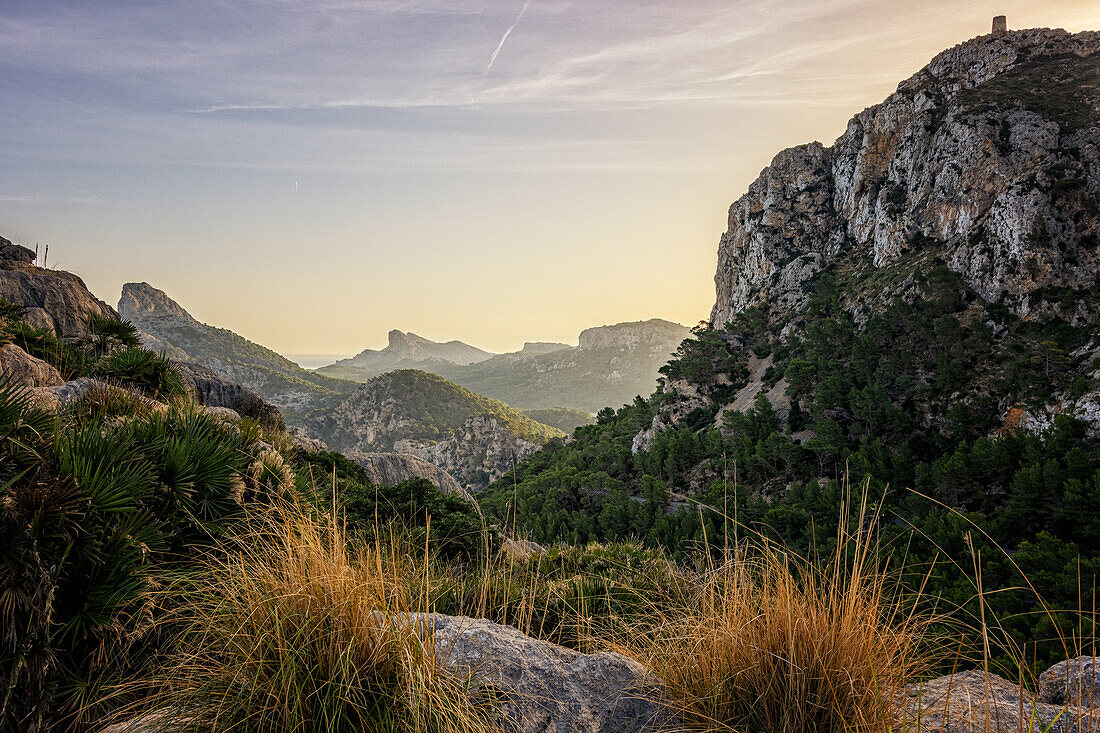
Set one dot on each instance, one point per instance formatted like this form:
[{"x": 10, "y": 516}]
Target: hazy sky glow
[{"x": 312, "y": 173}]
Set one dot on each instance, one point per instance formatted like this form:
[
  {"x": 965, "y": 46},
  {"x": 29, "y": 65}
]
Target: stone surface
[
  {"x": 548, "y": 688},
  {"x": 54, "y": 299},
  {"x": 974, "y": 702},
  {"x": 19, "y": 366},
  {"x": 1074, "y": 681},
  {"x": 390, "y": 469},
  {"x": 212, "y": 391}
]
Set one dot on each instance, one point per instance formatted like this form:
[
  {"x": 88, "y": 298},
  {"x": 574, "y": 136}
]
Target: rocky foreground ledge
[{"x": 547, "y": 688}]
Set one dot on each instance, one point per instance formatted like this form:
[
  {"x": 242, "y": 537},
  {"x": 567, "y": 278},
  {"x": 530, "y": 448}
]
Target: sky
[{"x": 314, "y": 173}]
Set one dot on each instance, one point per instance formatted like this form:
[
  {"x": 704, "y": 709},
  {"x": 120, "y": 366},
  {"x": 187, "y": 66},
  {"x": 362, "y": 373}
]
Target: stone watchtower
[{"x": 1000, "y": 24}]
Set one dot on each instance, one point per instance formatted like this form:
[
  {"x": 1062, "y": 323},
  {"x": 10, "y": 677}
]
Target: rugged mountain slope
[
  {"x": 472, "y": 437},
  {"x": 169, "y": 327}
]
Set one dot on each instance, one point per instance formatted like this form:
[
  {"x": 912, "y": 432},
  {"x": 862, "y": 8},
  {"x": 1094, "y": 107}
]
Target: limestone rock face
[
  {"x": 548, "y": 688},
  {"x": 990, "y": 155},
  {"x": 55, "y": 300},
  {"x": 654, "y": 333},
  {"x": 481, "y": 450},
  {"x": 19, "y": 366},
  {"x": 390, "y": 469}
]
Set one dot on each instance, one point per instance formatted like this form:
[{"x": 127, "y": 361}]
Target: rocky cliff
[
  {"x": 390, "y": 469},
  {"x": 988, "y": 158},
  {"x": 55, "y": 300},
  {"x": 473, "y": 438},
  {"x": 167, "y": 326}
]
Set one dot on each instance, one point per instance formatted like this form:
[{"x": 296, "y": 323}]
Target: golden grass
[
  {"x": 289, "y": 630},
  {"x": 769, "y": 642}
]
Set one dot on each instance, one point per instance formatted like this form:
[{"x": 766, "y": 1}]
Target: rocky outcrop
[
  {"x": 55, "y": 300},
  {"x": 20, "y": 367},
  {"x": 480, "y": 451},
  {"x": 990, "y": 155},
  {"x": 211, "y": 390},
  {"x": 1073, "y": 682},
  {"x": 390, "y": 469},
  {"x": 652, "y": 335},
  {"x": 547, "y": 688},
  {"x": 536, "y": 686},
  {"x": 684, "y": 399},
  {"x": 409, "y": 351}
]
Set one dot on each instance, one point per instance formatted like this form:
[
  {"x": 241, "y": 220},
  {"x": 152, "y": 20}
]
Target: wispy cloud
[{"x": 496, "y": 51}]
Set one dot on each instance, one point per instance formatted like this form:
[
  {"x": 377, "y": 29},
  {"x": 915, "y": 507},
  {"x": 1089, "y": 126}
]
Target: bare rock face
[
  {"x": 390, "y": 469},
  {"x": 548, "y": 688},
  {"x": 481, "y": 450},
  {"x": 991, "y": 154},
  {"x": 19, "y": 366},
  {"x": 53, "y": 299}
]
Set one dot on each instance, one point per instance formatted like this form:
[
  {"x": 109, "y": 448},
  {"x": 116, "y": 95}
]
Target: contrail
[{"x": 493, "y": 58}]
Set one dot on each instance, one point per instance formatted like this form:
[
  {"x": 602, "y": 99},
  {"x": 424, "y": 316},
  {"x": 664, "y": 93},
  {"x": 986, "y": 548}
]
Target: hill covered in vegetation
[{"x": 470, "y": 436}]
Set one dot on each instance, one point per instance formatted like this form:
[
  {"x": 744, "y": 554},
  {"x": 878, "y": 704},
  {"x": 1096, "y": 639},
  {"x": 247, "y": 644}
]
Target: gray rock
[
  {"x": 541, "y": 687},
  {"x": 19, "y": 366},
  {"x": 390, "y": 469},
  {"x": 974, "y": 702},
  {"x": 930, "y": 164},
  {"x": 1074, "y": 681},
  {"x": 210, "y": 390},
  {"x": 548, "y": 688}
]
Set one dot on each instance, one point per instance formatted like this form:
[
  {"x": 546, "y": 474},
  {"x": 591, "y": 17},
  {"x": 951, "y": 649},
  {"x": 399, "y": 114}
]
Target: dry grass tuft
[
  {"x": 770, "y": 642},
  {"x": 289, "y": 630}
]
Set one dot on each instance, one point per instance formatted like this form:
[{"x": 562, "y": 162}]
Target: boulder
[
  {"x": 542, "y": 687},
  {"x": 1073, "y": 681},
  {"x": 19, "y": 366},
  {"x": 210, "y": 390},
  {"x": 976, "y": 702},
  {"x": 545, "y": 687}
]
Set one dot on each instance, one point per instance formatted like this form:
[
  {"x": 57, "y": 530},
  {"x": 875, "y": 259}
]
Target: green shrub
[{"x": 154, "y": 374}]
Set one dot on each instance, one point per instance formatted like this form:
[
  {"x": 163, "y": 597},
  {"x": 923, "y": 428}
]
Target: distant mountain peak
[
  {"x": 142, "y": 300},
  {"x": 407, "y": 349}
]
